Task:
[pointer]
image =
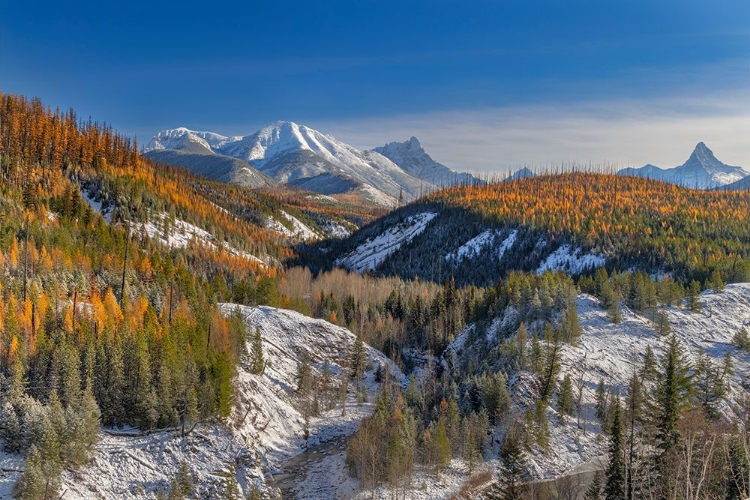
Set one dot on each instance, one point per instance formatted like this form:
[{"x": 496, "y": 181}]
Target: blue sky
[{"x": 484, "y": 85}]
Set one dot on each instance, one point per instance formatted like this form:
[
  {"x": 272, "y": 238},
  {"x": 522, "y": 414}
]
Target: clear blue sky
[{"x": 519, "y": 81}]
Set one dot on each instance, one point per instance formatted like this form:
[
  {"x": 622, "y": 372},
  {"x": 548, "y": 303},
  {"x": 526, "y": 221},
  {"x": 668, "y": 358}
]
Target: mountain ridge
[
  {"x": 702, "y": 170},
  {"x": 411, "y": 156}
]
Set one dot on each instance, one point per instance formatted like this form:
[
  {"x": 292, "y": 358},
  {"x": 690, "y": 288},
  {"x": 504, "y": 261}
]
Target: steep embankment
[{"x": 267, "y": 428}]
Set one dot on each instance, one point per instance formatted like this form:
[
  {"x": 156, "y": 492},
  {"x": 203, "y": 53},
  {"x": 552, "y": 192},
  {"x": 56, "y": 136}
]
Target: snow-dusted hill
[
  {"x": 265, "y": 431},
  {"x": 291, "y": 153},
  {"x": 702, "y": 171},
  {"x": 411, "y": 156},
  {"x": 369, "y": 255},
  {"x": 609, "y": 351}
]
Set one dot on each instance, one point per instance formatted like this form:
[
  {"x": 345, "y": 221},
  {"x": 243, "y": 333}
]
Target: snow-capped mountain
[
  {"x": 186, "y": 140},
  {"x": 740, "y": 185},
  {"x": 289, "y": 152},
  {"x": 701, "y": 171},
  {"x": 522, "y": 173},
  {"x": 411, "y": 157}
]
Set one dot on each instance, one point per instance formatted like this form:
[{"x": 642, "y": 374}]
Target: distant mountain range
[
  {"x": 701, "y": 171},
  {"x": 411, "y": 157},
  {"x": 299, "y": 156}
]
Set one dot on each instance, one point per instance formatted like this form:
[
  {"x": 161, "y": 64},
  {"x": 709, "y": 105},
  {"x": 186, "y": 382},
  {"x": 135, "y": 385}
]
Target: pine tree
[
  {"x": 601, "y": 403},
  {"x": 614, "y": 488},
  {"x": 536, "y": 355},
  {"x": 649, "y": 370},
  {"x": 741, "y": 340},
  {"x": 565, "y": 398},
  {"x": 184, "y": 479},
  {"x": 693, "y": 301},
  {"x": 521, "y": 337},
  {"x": 258, "y": 363},
  {"x": 442, "y": 446},
  {"x": 513, "y": 471},
  {"x": 673, "y": 391},
  {"x": 710, "y": 385},
  {"x": 594, "y": 491}
]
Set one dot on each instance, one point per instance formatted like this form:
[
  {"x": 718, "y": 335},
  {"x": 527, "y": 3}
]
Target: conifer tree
[
  {"x": 693, "y": 301},
  {"x": 601, "y": 402},
  {"x": 565, "y": 398},
  {"x": 513, "y": 471},
  {"x": 258, "y": 363},
  {"x": 594, "y": 491},
  {"x": 741, "y": 340},
  {"x": 442, "y": 446},
  {"x": 614, "y": 488}
]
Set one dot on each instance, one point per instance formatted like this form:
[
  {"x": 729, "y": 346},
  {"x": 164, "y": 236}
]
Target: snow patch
[
  {"x": 374, "y": 251},
  {"x": 572, "y": 261},
  {"x": 299, "y": 230},
  {"x": 481, "y": 243}
]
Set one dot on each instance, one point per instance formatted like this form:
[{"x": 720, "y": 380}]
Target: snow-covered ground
[
  {"x": 374, "y": 251},
  {"x": 180, "y": 233},
  {"x": 483, "y": 242},
  {"x": 299, "y": 230},
  {"x": 265, "y": 431},
  {"x": 610, "y": 351},
  {"x": 571, "y": 260}
]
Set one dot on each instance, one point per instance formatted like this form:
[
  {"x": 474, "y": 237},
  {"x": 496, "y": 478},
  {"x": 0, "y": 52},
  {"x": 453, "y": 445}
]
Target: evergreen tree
[
  {"x": 184, "y": 479},
  {"x": 442, "y": 446},
  {"x": 741, "y": 340},
  {"x": 614, "y": 488},
  {"x": 672, "y": 394},
  {"x": 258, "y": 363},
  {"x": 536, "y": 355},
  {"x": 601, "y": 403},
  {"x": 649, "y": 370},
  {"x": 710, "y": 385},
  {"x": 693, "y": 301},
  {"x": 594, "y": 491},
  {"x": 565, "y": 398},
  {"x": 513, "y": 470}
]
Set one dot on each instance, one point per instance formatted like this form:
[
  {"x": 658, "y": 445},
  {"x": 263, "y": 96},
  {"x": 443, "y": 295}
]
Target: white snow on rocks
[
  {"x": 374, "y": 251},
  {"x": 572, "y": 261}
]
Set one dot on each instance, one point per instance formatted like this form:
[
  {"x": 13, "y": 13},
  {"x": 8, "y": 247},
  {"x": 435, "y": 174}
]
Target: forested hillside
[
  {"x": 111, "y": 268},
  {"x": 574, "y": 222}
]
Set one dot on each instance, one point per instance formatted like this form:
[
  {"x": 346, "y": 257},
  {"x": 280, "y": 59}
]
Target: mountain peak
[
  {"x": 702, "y": 154},
  {"x": 702, "y": 170}
]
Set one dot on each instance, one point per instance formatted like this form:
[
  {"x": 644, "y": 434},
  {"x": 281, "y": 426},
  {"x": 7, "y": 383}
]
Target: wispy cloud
[{"x": 620, "y": 133}]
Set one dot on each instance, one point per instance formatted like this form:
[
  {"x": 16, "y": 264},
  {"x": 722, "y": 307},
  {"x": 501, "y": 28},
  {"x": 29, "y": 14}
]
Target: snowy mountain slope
[
  {"x": 487, "y": 241},
  {"x": 186, "y": 140},
  {"x": 701, "y": 171},
  {"x": 522, "y": 173},
  {"x": 609, "y": 351},
  {"x": 572, "y": 261},
  {"x": 266, "y": 428},
  {"x": 740, "y": 185},
  {"x": 298, "y": 230},
  {"x": 282, "y": 138},
  {"x": 176, "y": 233},
  {"x": 371, "y": 253},
  {"x": 411, "y": 156},
  {"x": 214, "y": 166},
  {"x": 290, "y": 152}
]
